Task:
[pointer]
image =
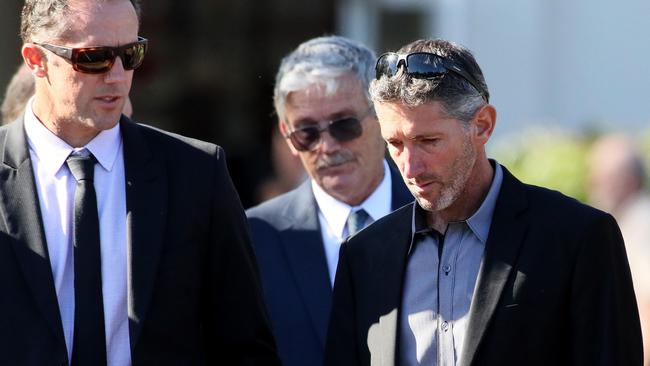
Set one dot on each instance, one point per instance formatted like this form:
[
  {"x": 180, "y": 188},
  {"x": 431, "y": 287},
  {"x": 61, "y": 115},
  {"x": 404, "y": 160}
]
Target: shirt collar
[
  {"x": 52, "y": 152},
  {"x": 336, "y": 212},
  {"x": 480, "y": 221}
]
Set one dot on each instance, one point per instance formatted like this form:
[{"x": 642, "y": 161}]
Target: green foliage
[{"x": 550, "y": 158}]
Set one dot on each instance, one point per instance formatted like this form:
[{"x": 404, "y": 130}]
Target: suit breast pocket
[{"x": 522, "y": 291}]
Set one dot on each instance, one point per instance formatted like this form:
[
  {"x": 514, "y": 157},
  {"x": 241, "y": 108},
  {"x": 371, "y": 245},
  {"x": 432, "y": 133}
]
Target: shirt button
[
  {"x": 445, "y": 326},
  {"x": 446, "y": 268}
]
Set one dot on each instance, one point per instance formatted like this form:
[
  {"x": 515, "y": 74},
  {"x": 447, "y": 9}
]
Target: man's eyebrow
[
  {"x": 305, "y": 121},
  {"x": 330, "y": 117}
]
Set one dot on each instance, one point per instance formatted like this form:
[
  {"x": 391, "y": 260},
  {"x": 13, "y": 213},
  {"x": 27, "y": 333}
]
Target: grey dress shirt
[{"x": 439, "y": 284}]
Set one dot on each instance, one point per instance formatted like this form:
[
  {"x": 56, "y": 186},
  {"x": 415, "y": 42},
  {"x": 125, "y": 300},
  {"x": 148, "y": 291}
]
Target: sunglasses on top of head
[
  {"x": 307, "y": 138},
  {"x": 424, "y": 65},
  {"x": 98, "y": 60}
]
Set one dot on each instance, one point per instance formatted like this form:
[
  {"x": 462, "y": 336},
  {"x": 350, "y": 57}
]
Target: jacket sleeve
[
  {"x": 604, "y": 317},
  {"x": 237, "y": 325}
]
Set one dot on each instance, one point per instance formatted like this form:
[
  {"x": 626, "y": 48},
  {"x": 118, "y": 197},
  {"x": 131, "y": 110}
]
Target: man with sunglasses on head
[
  {"x": 324, "y": 112},
  {"x": 481, "y": 269},
  {"x": 120, "y": 244}
]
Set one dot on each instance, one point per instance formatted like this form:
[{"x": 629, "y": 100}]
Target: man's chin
[
  {"x": 425, "y": 204},
  {"x": 432, "y": 205},
  {"x": 104, "y": 121}
]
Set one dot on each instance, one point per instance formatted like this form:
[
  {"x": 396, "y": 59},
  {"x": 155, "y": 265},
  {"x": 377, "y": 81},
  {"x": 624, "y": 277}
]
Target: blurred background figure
[
  {"x": 19, "y": 90},
  {"x": 287, "y": 170},
  {"x": 616, "y": 184}
]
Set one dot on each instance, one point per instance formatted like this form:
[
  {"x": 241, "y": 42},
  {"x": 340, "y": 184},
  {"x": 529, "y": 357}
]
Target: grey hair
[
  {"x": 458, "y": 97},
  {"x": 50, "y": 19},
  {"x": 322, "y": 61}
]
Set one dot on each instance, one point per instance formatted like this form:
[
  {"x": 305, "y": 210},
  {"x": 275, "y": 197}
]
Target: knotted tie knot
[
  {"x": 356, "y": 221},
  {"x": 82, "y": 167}
]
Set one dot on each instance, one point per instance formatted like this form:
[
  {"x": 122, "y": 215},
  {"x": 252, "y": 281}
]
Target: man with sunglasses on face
[
  {"x": 120, "y": 244},
  {"x": 481, "y": 269},
  {"x": 322, "y": 102}
]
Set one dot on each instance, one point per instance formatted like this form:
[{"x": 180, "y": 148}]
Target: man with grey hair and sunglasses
[
  {"x": 324, "y": 112},
  {"x": 120, "y": 244},
  {"x": 481, "y": 269}
]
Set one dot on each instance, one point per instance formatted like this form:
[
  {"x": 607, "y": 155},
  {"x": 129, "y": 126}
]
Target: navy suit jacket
[{"x": 289, "y": 247}]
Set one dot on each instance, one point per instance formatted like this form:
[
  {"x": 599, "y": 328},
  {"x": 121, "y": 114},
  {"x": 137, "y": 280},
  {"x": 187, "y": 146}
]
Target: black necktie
[{"x": 89, "y": 345}]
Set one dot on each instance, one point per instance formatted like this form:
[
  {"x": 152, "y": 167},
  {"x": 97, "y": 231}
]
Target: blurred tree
[{"x": 551, "y": 158}]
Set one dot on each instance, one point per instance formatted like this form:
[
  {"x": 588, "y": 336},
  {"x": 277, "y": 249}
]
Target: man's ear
[
  {"x": 284, "y": 131},
  {"x": 484, "y": 122},
  {"x": 35, "y": 59}
]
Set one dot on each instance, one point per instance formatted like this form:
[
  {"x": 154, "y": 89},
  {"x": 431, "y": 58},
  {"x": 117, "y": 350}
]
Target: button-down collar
[{"x": 479, "y": 222}]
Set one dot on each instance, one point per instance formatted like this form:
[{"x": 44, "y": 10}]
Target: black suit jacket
[
  {"x": 193, "y": 291},
  {"x": 554, "y": 288},
  {"x": 295, "y": 278}
]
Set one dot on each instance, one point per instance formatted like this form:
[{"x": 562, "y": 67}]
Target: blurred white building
[{"x": 573, "y": 63}]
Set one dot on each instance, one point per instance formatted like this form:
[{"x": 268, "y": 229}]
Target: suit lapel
[
  {"x": 22, "y": 213},
  {"x": 146, "y": 203},
  {"x": 507, "y": 231},
  {"x": 303, "y": 245},
  {"x": 304, "y": 250},
  {"x": 392, "y": 251}
]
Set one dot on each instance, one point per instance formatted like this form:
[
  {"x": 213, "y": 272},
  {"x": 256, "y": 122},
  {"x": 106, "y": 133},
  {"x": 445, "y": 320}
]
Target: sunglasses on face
[
  {"x": 307, "y": 138},
  {"x": 424, "y": 65},
  {"x": 98, "y": 60}
]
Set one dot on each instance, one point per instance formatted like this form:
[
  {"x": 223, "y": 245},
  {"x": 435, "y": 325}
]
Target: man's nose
[
  {"x": 117, "y": 72},
  {"x": 412, "y": 165},
  {"x": 328, "y": 143}
]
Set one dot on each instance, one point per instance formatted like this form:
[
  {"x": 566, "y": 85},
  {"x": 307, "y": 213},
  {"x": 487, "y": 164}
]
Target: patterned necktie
[
  {"x": 356, "y": 221},
  {"x": 89, "y": 344}
]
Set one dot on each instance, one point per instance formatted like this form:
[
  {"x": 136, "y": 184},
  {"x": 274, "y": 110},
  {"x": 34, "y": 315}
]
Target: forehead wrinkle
[{"x": 84, "y": 18}]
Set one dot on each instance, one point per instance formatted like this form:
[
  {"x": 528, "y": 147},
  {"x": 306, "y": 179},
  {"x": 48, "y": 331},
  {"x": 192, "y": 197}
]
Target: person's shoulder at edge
[
  {"x": 173, "y": 142},
  {"x": 274, "y": 206},
  {"x": 556, "y": 207}
]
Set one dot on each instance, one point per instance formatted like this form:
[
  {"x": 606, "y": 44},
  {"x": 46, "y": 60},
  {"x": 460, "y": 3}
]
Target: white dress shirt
[
  {"x": 55, "y": 186},
  {"x": 333, "y": 214}
]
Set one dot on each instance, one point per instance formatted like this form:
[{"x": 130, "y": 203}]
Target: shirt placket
[{"x": 446, "y": 279}]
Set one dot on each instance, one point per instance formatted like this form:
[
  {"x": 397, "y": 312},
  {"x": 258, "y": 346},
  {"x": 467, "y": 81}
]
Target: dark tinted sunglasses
[
  {"x": 307, "y": 138},
  {"x": 98, "y": 60},
  {"x": 424, "y": 65}
]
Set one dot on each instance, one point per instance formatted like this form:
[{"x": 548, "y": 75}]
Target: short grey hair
[
  {"x": 322, "y": 61},
  {"x": 43, "y": 20},
  {"x": 458, "y": 97}
]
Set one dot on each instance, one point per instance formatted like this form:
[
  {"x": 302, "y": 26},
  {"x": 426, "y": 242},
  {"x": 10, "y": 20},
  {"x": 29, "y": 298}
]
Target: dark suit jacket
[
  {"x": 289, "y": 248},
  {"x": 554, "y": 288},
  {"x": 194, "y": 295}
]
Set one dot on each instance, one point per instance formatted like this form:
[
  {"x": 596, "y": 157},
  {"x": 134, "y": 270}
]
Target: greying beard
[{"x": 462, "y": 169}]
